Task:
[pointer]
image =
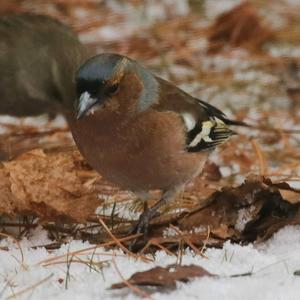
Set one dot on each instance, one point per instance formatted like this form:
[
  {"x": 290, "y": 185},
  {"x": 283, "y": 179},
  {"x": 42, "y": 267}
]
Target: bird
[
  {"x": 39, "y": 57},
  {"x": 141, "y": 132}
]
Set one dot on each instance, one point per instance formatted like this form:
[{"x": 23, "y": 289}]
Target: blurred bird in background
[
  {"x": 38, "y": 59},
  {"x": 141, "y": 132}
]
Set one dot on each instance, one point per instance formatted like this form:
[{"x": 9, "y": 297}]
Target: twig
[
  {"x": 83, "y": 251},
  {"x": 78, "y": 260},
  {"x": 69, "y": 261},
  {"x": 155, "y": 243},
  {"x": 260, "y": 156},
  {"x": 206, "y": 240},
  {"x": 15, "y": 295},
  {"x": 121, "y": 245},
  {"x": 187, "y": 241},
  {"x": 17, "y": 242},
  {"x": 276, "y": 130}
]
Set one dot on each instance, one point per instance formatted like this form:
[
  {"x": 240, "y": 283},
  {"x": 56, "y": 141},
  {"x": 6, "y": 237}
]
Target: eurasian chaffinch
[
  {"x": 140, "y": 131},
  {"x": 38, "y": 60}
]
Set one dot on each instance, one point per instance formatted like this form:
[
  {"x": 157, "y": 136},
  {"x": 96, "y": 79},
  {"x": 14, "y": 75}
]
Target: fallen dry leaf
[
  {"x": 47, "y": 185},
  {"x": 240, "y": 27},
  {"x": 255, "y": 209},
  {"x": 287, "y": 192},
  {"x": 250, "y": 212},
  {"x": 164, "y": 277}
]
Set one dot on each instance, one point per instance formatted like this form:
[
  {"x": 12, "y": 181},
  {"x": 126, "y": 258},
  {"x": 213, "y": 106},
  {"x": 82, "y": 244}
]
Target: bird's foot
[
  {"x": 143, "y": 223},
  {"x": 141, "y": 227}
]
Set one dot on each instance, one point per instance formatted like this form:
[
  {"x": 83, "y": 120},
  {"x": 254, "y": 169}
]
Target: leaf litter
[{"x": 250, "y": 187}]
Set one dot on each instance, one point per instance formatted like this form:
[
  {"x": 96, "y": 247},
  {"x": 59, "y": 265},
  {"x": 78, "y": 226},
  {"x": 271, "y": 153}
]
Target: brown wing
[{"x": 205, "y": 124}]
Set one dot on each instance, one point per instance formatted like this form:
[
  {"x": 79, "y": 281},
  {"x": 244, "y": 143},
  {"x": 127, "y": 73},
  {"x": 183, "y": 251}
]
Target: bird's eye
[{"x": 113, "y": 89}]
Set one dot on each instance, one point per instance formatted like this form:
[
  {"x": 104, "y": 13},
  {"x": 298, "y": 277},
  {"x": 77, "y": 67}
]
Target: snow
[
  {"x": 151, "y": 11},
  {"x": 285, "y": 51},
  {"x": 124, "y": 209},
  {"x": 136, "y": 18},
  {"x": 40, "y": 121},
  {"x": 271, "y": 265},
  {"x": 214, "y": 8},
  {"x": 244, "y": 216},
  {"x": 294, "y": 184}
]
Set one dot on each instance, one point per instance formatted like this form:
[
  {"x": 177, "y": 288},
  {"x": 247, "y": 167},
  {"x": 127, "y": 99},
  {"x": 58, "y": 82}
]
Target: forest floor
[{"x": 236, "y": 227}]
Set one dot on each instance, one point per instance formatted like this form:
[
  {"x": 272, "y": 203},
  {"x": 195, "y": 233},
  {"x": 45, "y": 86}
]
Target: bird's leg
[
  {"x": 146, "y": 206},
  {"x": 144, "y": 197},
  {"x": 143, "y": 223}
]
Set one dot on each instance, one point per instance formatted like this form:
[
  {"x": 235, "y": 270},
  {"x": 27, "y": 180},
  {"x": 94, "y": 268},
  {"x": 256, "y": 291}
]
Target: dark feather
[
  {"x": 213, "y": 111},
  {"x": 218, "y": 135}
]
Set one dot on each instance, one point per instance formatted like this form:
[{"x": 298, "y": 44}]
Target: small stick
[
  {"x": 82, "y": 251},
  {"x": 260, "y": 156},
  {"x": 120, "y": 244},
  {"x": 15, "y": 295},
  {"x": 17, "y": 242},
  {"x": 206, "y": 240}
]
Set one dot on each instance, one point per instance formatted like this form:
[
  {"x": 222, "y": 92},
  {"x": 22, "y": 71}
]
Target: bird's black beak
[{"x": 85, "y": 103}]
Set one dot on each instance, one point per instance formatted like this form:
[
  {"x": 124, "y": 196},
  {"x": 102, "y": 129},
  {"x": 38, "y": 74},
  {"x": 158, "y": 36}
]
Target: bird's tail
[
  {"x": 235, "y": 122},
  {"x": 215, "y": 112}
]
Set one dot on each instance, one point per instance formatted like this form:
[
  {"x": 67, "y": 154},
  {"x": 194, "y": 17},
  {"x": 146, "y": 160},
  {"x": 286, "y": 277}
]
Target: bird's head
[{"x": 116, "y": 83}]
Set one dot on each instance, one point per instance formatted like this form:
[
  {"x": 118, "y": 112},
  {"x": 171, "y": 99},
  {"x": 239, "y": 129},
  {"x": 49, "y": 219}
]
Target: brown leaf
[
  {"x": 287, "y": 192},
  {"x": 47, "y": 185},
  {"x": 240, "y": 27},
  {"x": 164, "y": 277},
  {"x": 255, "y": 209},
  {"x": 6, "y": 198},
  {"x": 290, "y": 195}
]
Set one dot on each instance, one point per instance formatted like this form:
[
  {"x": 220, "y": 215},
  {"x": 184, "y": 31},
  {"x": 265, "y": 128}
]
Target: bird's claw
[{"x": 141, "y": 227}]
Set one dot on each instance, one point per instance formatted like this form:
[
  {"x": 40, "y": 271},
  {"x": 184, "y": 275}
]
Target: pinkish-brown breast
[{"x": 146, "y": 152}]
